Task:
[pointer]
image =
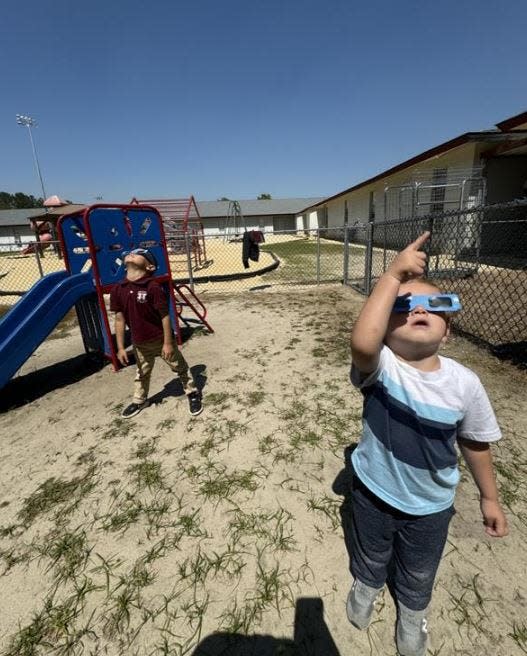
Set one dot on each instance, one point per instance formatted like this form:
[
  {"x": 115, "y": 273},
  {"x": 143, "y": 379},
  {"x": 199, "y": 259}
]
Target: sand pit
[{"x": 155, "y": 535}]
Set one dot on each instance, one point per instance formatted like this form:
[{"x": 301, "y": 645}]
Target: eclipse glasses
[{"x": 429, "y": 302}]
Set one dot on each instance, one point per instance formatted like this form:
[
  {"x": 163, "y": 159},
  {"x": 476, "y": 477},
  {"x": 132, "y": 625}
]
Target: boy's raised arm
[{"x": 370, "y": 328}]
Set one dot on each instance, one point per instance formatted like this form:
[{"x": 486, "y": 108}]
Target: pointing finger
[{"x": 420, "y": 241}]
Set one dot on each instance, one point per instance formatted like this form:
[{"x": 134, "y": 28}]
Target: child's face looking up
[
  {"x": 417, "y": 333},
  {"x": 138, "y": 261}
]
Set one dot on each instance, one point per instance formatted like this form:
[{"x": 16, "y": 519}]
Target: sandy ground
[{"x": 224, "y": 534}]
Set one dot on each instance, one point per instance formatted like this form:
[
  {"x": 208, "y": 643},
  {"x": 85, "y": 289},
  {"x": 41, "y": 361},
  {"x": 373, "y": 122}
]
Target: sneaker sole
[{"x": 195, "y": 414}]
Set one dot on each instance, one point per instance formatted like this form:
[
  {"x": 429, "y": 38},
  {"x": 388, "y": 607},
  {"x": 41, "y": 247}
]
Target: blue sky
[{"x": 235, "y": 98}]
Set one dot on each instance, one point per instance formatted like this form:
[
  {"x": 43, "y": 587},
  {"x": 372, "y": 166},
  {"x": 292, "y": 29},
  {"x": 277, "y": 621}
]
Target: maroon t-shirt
[{"x": 143, "y": 303}]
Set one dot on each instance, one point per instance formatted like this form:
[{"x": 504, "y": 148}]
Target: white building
[
  {"x": 488, "y": 166},
  {"x": 15, "y": 228},
  {"x": 271, "y": 215}
]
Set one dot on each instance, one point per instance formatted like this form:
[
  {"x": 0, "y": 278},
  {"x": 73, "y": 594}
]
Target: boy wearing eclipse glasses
[
  {"x": 417, "y": 406},
  {"x": 140, "y": 303}
]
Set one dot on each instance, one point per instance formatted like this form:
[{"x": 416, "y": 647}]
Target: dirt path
[{"x": 152, "y": 535}]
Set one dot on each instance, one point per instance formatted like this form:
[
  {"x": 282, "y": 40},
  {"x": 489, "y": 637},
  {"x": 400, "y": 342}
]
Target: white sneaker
[
  {"x": 360, "y": 604},
  {"x": 412, "y": 631}
]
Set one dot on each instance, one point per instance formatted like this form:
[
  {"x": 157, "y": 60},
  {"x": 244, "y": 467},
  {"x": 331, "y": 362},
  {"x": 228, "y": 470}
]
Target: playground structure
[
  {"x": 92, "y": 242},
  {"x": 235, "y": 224},
  {"x": 43, "y": 236},
  {"x": 183, "y": 227}
]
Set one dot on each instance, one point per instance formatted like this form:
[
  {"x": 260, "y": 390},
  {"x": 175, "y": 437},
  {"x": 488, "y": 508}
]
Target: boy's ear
[{"x": 448, "y": 321}]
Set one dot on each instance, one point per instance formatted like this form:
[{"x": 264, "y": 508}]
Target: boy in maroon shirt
[{"x": 140, "y": 302}]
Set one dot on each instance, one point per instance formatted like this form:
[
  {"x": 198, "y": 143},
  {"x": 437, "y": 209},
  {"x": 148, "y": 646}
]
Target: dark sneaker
[
  {"x": 194, "y": 403},
  {"x": 133, "y": 409}
]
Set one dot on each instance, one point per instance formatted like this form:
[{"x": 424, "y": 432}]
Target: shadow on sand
[
  {"x": 311, "y": 637},
  {"x": 35, "y": 384}
]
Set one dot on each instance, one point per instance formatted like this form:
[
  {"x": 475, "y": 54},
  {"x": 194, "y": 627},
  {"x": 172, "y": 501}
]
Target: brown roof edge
[
  {"x": 436, "y": 150},
  {"x": 56, "y": 212},
  {"x": 512, "y": 122}
]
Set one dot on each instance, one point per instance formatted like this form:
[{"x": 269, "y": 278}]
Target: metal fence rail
[
  {"x": 480, "y": 253},
  {"x": 22, "y": 265}
]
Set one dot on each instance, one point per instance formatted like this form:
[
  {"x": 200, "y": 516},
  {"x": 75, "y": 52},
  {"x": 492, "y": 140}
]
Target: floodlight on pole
[{"x": 29, "y": 123}]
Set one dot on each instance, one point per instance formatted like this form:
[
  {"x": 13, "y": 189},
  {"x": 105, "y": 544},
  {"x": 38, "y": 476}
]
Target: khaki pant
[{"x": 145, "y": 356}]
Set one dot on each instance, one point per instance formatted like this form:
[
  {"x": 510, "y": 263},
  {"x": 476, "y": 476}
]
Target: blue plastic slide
[{"x": 31, "y": 320}]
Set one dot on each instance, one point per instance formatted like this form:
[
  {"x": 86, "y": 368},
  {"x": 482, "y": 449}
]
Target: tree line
[
  {"x": 19, "y": 201},
  {"x": 260, "y": 197}
]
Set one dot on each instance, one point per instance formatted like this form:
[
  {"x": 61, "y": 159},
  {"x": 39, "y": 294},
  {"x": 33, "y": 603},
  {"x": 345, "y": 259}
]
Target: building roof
[
  {"x": 512, "y": 122},
  {"x": 504, "y": 131},
  {"x": 57, "y": 212},
  {"x": 272, "y": 207},
  {"x": 18, "y": 217}
]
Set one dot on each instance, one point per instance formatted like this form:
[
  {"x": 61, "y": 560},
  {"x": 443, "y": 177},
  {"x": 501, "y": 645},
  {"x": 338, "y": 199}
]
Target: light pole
[{"x": 29, "y": 123}]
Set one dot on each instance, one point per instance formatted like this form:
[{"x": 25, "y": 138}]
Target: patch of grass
[
  {"x": 294, "y": 412},
  {"x": 68, "y": 554},
  {"x": 86, "y": 458},
  {"x": 128, "y": 512},
  {"x": 14, "y": 556},
  {"x": 147, "y": 474},
  {"x": 218, "y": 399},
  {"x": 56, "y": 492},
  {"x": 519, "y": 635},
  {"x": 53, "y": 628},
  {"x": 119, "y": 427},
  {"x": 511, "y": 481},
  {"x": 8, "y": 531},
  {"x": 215, "y": 482},
  {"x": 190, "y": 525},
  {"x": 267, "y": 444},
  {"x": 469, "y": 607},
  {"x": 145, "y": 449},
  {"x": 166, "y": 424},
  {"x": 221, "y": 434},
  {"x": 272, "y": 529},
  {"x": 255, "y": 398},
  {"x": 239, "y": 620},
  {"x": 328, "y": 507}
]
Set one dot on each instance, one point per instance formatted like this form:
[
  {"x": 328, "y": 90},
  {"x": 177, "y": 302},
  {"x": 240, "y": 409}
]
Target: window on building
[
  {"x": 438, "y": 190},
  {"x": 371, "y": 206}
]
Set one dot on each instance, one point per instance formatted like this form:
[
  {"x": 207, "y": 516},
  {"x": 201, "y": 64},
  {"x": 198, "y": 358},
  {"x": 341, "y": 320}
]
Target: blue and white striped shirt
[{"x": 411, "y": 420}]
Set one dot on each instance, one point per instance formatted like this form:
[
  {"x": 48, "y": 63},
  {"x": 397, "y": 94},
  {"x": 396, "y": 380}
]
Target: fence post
[
  {"x": 428, "y": 246},
  {"x": 39, "y": 263},
  {"x": 368, "y": 260},
  {"x": 345, "y": 273},
  {"x": 318, "y": 256},
  {"x": 189, "y": 261}
]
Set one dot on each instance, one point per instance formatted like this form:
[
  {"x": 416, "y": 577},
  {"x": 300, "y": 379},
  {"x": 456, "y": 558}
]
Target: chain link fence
[
  {"x": 288, "y": 257},
  {"x": 21, "y": 267},
  {"x": 479, "y": 253}
]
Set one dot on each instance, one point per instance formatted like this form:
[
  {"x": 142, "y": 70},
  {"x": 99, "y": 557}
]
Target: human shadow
[
  {"x": 311, "y": 637},
  {"x": 342, "y": 485},
  {"x": 174, "y": 387},
  {"x": 35, "y": 384}
]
